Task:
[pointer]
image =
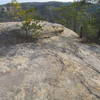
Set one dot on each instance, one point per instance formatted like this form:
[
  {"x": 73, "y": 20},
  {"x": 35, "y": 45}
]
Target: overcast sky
[{"x": 6, "y": 1}]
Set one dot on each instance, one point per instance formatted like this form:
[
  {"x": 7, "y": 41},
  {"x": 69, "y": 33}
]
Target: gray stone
[{"x": 55, "y": 68}]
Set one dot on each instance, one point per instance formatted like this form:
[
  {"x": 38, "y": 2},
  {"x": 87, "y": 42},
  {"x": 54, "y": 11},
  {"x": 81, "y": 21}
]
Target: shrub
[{"x": 30, "y": 23}]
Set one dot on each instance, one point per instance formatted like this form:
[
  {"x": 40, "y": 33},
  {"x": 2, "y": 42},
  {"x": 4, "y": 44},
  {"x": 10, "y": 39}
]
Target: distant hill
[{"x": 45, "y": 9}]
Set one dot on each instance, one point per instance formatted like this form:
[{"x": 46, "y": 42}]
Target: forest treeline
[{"x": 81, "y": 16}]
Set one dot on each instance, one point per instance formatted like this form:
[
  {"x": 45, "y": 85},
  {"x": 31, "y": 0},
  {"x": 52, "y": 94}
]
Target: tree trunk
[
  {"x": 98, "y": 35},
  {"x": 74, "y": 26},
  {"x": 81, "y": 32}
]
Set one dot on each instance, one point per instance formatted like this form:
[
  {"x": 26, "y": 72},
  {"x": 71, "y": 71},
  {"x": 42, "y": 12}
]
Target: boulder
[{"x": 55, "y": 68}]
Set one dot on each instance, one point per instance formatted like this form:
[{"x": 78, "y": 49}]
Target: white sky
[{"x": 6, "y": 1}]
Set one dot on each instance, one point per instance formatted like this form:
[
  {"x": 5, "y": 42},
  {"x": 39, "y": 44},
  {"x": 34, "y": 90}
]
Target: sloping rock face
[{"x": 55, "y": 68}]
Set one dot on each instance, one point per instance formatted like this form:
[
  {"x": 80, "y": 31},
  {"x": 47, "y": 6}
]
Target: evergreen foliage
[
  {"x": 30, "y": 22},
  {"x": 80, "y": 18}
]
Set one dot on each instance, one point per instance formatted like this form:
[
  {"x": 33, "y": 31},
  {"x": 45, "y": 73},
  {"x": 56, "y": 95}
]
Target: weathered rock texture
[{"x": 55, "y": 68}]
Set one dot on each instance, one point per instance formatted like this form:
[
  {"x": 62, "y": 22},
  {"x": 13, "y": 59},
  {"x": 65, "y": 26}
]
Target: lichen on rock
[{"x": 55, "y": 68}]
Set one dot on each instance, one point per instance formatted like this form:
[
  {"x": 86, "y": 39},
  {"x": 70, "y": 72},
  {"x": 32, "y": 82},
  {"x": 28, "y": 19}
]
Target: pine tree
[{"x": 29, "y": 18}]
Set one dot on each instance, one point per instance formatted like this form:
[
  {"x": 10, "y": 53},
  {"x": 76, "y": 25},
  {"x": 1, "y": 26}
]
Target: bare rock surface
[{"x": 54, "y": 68}]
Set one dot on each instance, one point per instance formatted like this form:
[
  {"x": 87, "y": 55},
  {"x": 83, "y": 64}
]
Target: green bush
[{"x": 30, "y": 26}]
